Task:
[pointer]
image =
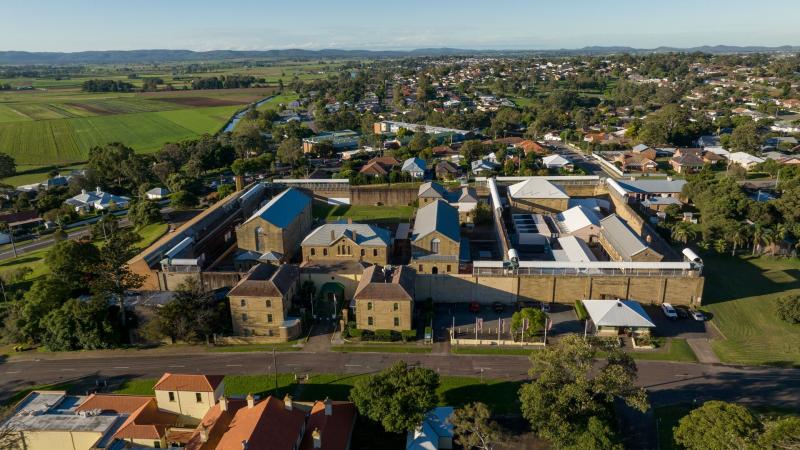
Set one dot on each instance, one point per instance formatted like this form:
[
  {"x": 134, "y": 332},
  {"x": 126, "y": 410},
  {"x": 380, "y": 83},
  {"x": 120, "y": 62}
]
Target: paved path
[{"x": 702, "y": 348}]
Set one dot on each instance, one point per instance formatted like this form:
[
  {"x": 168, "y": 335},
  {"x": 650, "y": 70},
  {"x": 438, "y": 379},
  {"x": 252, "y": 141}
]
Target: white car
[
  {"x": 669, "y": 311},
  {"x": 698, "y": 316}
]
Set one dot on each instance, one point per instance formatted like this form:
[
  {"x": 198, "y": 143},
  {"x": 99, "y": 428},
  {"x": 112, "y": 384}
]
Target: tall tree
[
  {"x": 8, "y": 166},
  {"x": 73, "y": 263},
  {"x": 117, "y": 277},
  {"x": 192, "y": 315},
  {"x": 290, "y": 151},
  {"x": 717, "y": 425},
  {"x": 473, "y": 427},
  {"x": 398, "y": 397}
]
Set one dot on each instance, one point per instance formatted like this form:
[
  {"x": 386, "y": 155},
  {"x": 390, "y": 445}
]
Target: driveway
[{"x": 679, "y": 328}]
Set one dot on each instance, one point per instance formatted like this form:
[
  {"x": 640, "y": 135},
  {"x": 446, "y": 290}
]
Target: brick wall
[{"x": 383, "y": 314}]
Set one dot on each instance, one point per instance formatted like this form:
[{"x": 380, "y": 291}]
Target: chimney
[
  {"x": 333, "y": 235},
  {"x": 349, "y": 220},
  {"x": 239, "y": 180},
  {"x": 287, "y": 402},
  {"x": 328, "y": 406},
  {"x": 250, "y": 401},
  {"x": 83, "y": 191},
  {"x": 223, "y": 403},
  {"x": 316, "y": 436},
  {"x": 355, "y": 236},
  {"x": 98, "y": 190},
  {"x": 203, "y": 433}
]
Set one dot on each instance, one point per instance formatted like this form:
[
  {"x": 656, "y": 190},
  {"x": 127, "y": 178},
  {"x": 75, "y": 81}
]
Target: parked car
[
  {"x": 521, "y": 304},
  {"x": 545, "y": 307},
  {"x": 669, "y": 311},
  {"x": 683, "y": 313},
  {"x": 474, "y": 307},
  {"x": 698, "y": 316},
  {"x": 498, "y": 307}
]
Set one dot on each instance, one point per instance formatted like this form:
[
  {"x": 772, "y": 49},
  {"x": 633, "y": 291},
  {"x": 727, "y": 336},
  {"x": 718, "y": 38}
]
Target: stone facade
[
  {"x": 538, "y": 205},
  {"x": 258, "y": 235},
  {"x": 262, "y": 316},
  {"x": 375, "y": 314},
  {"x": 444, "y": 261}
]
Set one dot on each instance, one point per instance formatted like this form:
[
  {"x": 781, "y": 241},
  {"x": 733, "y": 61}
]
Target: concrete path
[
  {"x": 320, "y": 340},
  {"x": 702, "y": 348}
]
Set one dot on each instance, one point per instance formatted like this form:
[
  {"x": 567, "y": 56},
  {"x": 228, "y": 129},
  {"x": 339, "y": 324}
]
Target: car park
[
  {"x": 669, "y": 311},
  {"x": 683, "y": 312},
  {"x": 698, "y": 316}
]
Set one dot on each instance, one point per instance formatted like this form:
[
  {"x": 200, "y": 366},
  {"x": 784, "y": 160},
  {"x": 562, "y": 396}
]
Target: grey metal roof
[
  {"x": 413, "y": 165},
  {"x": 283, "y": 208},
  {"x": 536, "y": 188},
  {"x": 361, "y": 233},
  {"x": 437, "y": 216},
  {"x": 618, "y": 313},
  {"x": 652, "y": 186},
  {"x": 621, "y": 237},
  {"x": 576, "y": 218},
  {"x": 431, "y": 190}
]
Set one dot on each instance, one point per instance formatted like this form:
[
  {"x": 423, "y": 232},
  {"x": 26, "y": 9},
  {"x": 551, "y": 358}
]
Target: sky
[{"x": 79, "y": 25}]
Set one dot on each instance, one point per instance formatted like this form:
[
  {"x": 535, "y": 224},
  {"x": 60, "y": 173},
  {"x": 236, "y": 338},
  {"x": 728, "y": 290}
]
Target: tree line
[{"x": 106, "y": 86}]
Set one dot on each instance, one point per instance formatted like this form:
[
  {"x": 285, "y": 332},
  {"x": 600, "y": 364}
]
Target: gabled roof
[
  {"x": 113, "y": 403},
  {"x": 361, "y": 233},
  {"x": 555, "y": 160},
  {"x": 283, "y": 208},
  {"x": 624, "y": 240},
  {"x": 618, "y": 313},
  {"x": 335, "y": 429},
  {"x": 397, "y": 286},
  {"x": 536, "y": 188},
  {"x": 413, "y": 165},
  {"x": 431, "y": 190},
  {"x": 640, "y": 148},
  {"x": 576, "y": 218},
  {"x": 188, "y": 382},
  {"x": 575, "y": 249},
  {"x": 147, "y": 422},
  {"x": 267, "y": 280},
  {"x": 652, "y": 186},
  {"x": 437, "y": 216}
]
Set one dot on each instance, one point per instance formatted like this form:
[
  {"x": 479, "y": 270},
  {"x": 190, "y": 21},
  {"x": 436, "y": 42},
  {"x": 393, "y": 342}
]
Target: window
[
  {"x": 269, "y": 318},
  {"x": 244, "y": 317},
  {"x": 313, "y": 252},
  {"x": 363, "y": 252},
  {"x": 258, "y": 232},
  {"x": 420, "y": 268},
  {"x": 434, "y": 270},
  {"x": 435, "y": 245},
  {"x": 244, "y": 302},
  {"x": 172, "y": 396},
  {"x": 268, "y": 303},
  {"x": 156, "y": 444},
  {"x": 396, "y": 306},
  {"x": 397, "y": 321},
  {"x": 369, "y": 306},
  {"x": 369, "y": 321},
  {"x": 324, "y": 252},
  {"x": 375, "y": 252},
  {"x": 198, "y": 397},
  {"x": 448, "y": 268}
]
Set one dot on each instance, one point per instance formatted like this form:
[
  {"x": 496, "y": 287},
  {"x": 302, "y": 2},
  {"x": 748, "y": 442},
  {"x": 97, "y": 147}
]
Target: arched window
[
  {"x": 369, "y": 306},
  {"x": 396, "y": 306},
  {"x": 375, "y": 252},
  {"x": 435, "y": 245},
  {"x": 269, "y": 303},
  {"x": 434, "y": 270},
  {"x": 313, "y": 252},
  {"x": 324, "y": 252},
  {"x": 244, "y": 302}
]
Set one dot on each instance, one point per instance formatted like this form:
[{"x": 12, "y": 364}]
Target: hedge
[{"x": 580, "y": 310}]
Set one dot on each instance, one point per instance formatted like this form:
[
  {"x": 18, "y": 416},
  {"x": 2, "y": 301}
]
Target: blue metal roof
[{"x": 283, "y": 208}]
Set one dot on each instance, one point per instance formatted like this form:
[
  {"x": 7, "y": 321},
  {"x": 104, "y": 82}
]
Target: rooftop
[
  {"x": 437, "y": 216},
  {"x": 624, "y": 240},
  {"x": 283, "y": 208},
  {"x": 536, "y": 188},
  {"x": 360, "y": 233},
  {"x": 266, "y": 280},
  {"x": 618, "y": 313},
  {"x": 188, "y": 382}
]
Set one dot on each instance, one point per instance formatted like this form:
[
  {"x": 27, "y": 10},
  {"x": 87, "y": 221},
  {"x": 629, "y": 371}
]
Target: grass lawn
[
  {"x": 280, "y": 347},
  {"x": 151, "y": 233},
  {"x": 364, "y": 213},
  {"x": 741, "y": 293},
  {"x": 381, "y": 348},
  {"x": 501, "y": 396},
  {"x": 678, "y": 350}
]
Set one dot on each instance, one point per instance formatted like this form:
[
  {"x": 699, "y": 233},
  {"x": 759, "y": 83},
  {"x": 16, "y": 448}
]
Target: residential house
[
  {"x": 687, "y": 160},
  {"x": 537, "y": 195},
  {"x": 636, "y": 162},
  {"x": 623, "y": 244},
  {"x": 157, "y": 193},
  {"x": 481, "y": 166},
  {"x": 529, "y": 146},
  {"x": 380, "y": 166},
  {"x": 261, "y": 300},
  {"x": 329, "y": 425},
  {"x": 465, "y": 199},
  {"x": 384, "y": 299},
  {"x": 348, "y": 241},
  {"x": 415, "y": 167},
  {"x": 446, "y": 170},
  {"x": 277, "y": 227},
  {"x": 557, "y": 162},
  {"x": 97, "y": 200},
  {"x": 187, "y": 395},
  {"x": 745, "y": 160},
  {"x": 615, "y": 317},
  {"x": 434, "y": 433},
  {"x": 436, "y": 239},
  {"x": 644, "y": 151},
  {"x": 638, "y": 189}
]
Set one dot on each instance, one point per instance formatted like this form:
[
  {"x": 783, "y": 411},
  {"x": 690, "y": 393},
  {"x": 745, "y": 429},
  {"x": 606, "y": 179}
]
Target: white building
[{"x": 96, "y": 200}]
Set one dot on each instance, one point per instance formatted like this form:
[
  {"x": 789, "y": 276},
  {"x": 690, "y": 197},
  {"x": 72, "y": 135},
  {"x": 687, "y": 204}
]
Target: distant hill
[{"x": 158, "y": 55}]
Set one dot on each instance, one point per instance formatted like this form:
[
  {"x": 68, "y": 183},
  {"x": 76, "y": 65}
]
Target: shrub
[
  {"x": 383, "y": 335},
  {"x": 580, "y": 310},
  {"x": 409, "y": 335},
  {"x": 355, "y": 332},
  {"x": 789, "y": 309}
]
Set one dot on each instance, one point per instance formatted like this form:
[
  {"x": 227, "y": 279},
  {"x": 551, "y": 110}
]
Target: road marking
[
  {"x": 352, "y": 365},
  {"x": 14, "y": 371},
  {"x": 292, "y": 364},
  {"x": 122, "y": 367},
  {"x": 67, "y": 370},
  {"x": 233, "y": 365},
  {"x": 177, "y": 366}
]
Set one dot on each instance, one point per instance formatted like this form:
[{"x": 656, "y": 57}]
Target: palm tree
[
  {"x": 720, "y": 246},
  {"x": 683, "y": 232},
  {"x": 739, "y": 236},
  {"x": 768, "y": 238},
  {"x": 758, "y": 237}
]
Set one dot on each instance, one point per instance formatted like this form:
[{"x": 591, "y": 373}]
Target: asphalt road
[
  {"x": 667, "y": 382},
  {"x": 27, "y": 248}
]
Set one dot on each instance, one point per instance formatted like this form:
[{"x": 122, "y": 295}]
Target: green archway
[{"x": 330, "y": 300}]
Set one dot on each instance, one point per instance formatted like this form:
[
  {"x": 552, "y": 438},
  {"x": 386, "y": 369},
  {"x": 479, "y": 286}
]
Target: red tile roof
[
  {"x": 147, "y": 422},
  {"x": 111, "y": 403},
  {"x": 189, "y": 383},
  {"x": 335, "y": 430}
]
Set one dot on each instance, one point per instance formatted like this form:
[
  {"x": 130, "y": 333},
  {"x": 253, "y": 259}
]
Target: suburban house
[
  {"x": 639, "y": 190},
  {"x": 384, "y": 298},
  {"x": 691, "y": 160},
  {"x": 188, "y": 396},
  {"x": 464, "y": 199},
  {"x": 645, "y": 151},
  {"x": 434, "y": 433},
  {"x": 745, "y": 160},
  {"x": 260, "y": 302},
  {"x": 277, "y": 227},
  {"x": 380, "y": 166},
  {"x": 636, "y": 162},
  {"x": 615, "y": 317},
  {"x": 537, "y": 195},
  {"x": 528, "y": 146},
  {"x": 436, "y": 239},
  {"x": 157, "y": 193},
  {"x": 415, "y": 167},
  {"x": 446, "y": 170},
  {"x": 348, "y": 241},
  {"x": 623, "y": 244},
  {"x": 480, "y": 166},
  {"x": 557, "y": 162},
  {"x": 97, "y": 200}
]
